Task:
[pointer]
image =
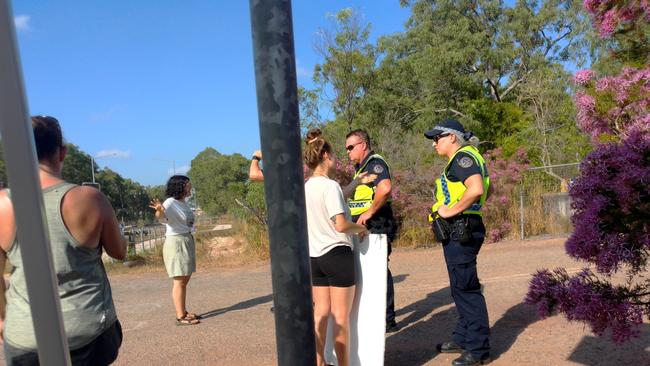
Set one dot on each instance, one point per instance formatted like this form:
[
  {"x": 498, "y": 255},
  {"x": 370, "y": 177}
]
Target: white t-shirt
[
  {"x": 180, "y": 218},
  {"x": 324, "y": 200}
]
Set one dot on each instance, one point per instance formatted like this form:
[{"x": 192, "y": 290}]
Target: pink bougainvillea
[
  {"x": 611, "y": 15},
  {"x": 582, "y": 77},
  {"x": 616, "y": 105},
  {"x": 505, "y": 175}
]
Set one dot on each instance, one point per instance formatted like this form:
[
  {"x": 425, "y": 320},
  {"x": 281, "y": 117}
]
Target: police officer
[
  {"x": 461, "y": 192},
  {"x": 370, "y": 203}
]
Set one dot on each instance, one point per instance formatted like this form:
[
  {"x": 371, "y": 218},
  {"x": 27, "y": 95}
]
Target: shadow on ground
[
  {"x": 239, "y": 306},
  {"x": 400, "y": 277},
  {"x": 424, "y": 327},
  {"x": 505, "y": 331},
  {"x": 601, "y": 351},
  {"x": 421, "y": 329}
]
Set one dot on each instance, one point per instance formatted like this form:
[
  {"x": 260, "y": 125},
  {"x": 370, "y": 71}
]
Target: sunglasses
[
  {"x": 436, "y": 138},
  {"x": 351, "y": 147}
]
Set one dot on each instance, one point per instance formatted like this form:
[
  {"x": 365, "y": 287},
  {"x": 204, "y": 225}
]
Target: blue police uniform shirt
[
  {"x": 463, "y": 167},
  {"x": 379, "y": 168}
]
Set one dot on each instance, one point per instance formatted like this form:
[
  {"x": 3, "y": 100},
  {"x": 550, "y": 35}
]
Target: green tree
[
  {"x": 309, "y": 104},
  {"x": 76, "y": 166},
  {"x": 349, "y": 60},
  {"x": 114, "y": 186},
  {"x": 489, "y": 44},
  {"x": 156, "y": 191},
  {"x": 552, "y": 136},
  {"x": 218, "y": 179}
]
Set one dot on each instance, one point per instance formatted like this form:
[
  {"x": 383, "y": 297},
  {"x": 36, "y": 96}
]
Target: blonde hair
[{"x": 467, "y": 139}]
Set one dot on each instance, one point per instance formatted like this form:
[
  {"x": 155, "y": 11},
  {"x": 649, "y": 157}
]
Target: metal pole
[
  {"x": 20, "y": 157},
  {"x": 92, "y": 167},
  {"x": 521, "y": 211},
  {"x": 277, "y": 105}
]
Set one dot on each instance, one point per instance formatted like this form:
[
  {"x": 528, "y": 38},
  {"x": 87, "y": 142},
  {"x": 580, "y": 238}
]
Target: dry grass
[
  {"x": 540, "y": 215},
  {"x": 252, "y": 240},
  {"x": 415, "y": 234}
]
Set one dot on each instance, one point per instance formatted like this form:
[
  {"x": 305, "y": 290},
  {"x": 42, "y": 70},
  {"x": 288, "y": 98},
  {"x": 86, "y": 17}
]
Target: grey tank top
[{"x": 84, "y": 291}]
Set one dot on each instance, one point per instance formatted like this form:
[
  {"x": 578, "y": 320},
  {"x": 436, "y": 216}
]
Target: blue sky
[{"x": 144, "y": 83}]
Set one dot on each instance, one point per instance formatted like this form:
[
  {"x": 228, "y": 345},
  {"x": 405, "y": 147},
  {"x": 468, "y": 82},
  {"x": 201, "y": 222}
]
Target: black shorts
[
  {"x": 335, "y": 268},
  {"x": 101, "y": 351}
]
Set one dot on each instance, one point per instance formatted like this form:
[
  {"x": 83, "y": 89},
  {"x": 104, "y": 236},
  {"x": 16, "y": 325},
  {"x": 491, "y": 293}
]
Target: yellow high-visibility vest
[
  {"x": 449, "y": 193},
  {"x": 364, "y": 194}
]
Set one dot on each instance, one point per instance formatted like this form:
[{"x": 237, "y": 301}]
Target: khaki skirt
[{"x": 179, "y": 255}]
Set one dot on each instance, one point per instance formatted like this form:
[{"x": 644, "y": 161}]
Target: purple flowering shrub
[
  {"x": 611, "y": 197},
  {"x": 505, "y": 175},
  {"x": 611, "y": 16},
  {"x": 613, "y": 105},
  {"x": 412, "y": 199},
  {"x": 586, "y": 298}
]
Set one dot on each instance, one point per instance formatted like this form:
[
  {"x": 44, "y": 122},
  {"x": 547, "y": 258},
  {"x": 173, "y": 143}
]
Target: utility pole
[
  {"x": 277, "y": 106},
  {"x": 27, "y": 196}
]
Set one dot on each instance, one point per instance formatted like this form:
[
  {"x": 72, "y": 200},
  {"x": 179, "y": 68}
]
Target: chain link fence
[{"x": 544, "y": 201}]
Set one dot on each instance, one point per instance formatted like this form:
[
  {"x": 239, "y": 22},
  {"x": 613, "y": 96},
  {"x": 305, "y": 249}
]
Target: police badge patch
[
  {"x": 465, "y": 162},
  {"x": 378, "y": 169}
]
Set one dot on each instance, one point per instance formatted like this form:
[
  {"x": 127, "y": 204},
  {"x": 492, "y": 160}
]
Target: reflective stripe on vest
[
  {"x": 449, "y": 193},
  {"x": 363, "y": 194}
]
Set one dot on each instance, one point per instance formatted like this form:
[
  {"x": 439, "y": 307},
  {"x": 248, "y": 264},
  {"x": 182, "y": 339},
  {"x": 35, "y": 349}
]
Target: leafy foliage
[
  {"x": 218, "y": 179},
  {"x": 349, "y": 58},
  {"x": 610, "y": 198}
]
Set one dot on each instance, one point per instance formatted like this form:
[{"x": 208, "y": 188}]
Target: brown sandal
[
  {"x": 192, "y": 315},
  {"x": 186, "y": 321}
]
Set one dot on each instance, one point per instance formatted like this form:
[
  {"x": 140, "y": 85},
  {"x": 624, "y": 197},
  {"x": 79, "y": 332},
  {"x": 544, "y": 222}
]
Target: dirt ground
[{"x": 238, "y": 328}]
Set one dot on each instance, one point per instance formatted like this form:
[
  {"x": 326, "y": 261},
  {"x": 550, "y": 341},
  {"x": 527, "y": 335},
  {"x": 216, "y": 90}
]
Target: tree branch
[
  {"x": 515, "y": 83},
  {"x": 450, "y": 110},
  {"x": 493, "y": 90}
]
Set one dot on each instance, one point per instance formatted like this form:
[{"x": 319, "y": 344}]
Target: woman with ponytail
[
  {"x": 330, "y": 232},
  {"x": 461, "y": 192}
]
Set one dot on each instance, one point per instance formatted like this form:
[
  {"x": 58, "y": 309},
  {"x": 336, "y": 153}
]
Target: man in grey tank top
[{"x": 81, "y": 224}]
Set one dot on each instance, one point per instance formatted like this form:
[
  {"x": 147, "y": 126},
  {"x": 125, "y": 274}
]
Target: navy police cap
[{"x": 446, "y": 126}]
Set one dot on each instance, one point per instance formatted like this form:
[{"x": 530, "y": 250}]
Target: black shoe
[
  {"x": 466, "y": 359},
  {"x": 449, "y": 347},
  {"x": 391, "y": 327}
]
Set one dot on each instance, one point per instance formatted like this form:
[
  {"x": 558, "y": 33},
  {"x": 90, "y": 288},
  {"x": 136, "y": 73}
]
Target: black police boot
[
  {"x": 449, "y": 347},
  {"x": 391, "y": 327},
  {"x": 466, "y": 359}
]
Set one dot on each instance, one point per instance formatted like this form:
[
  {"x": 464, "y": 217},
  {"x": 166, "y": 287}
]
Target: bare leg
[
  {"x": 179, "y": 292},
  {"x": 342, "y": 298},
  {"x": 321, "y": 296}
]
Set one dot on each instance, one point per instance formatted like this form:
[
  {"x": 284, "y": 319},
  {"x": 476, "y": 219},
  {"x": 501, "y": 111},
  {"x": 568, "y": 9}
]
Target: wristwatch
[{"x": 255, "y": 157}]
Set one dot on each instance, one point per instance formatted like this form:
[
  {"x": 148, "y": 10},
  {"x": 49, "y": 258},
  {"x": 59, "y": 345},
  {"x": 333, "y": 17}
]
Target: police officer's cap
[{"x": 446, "y": 126}]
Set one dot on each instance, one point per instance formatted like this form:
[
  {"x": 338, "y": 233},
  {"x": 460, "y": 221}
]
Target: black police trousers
[
  {"x": 390, "y": 298},
  {"x": 473, "y": 328}
]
